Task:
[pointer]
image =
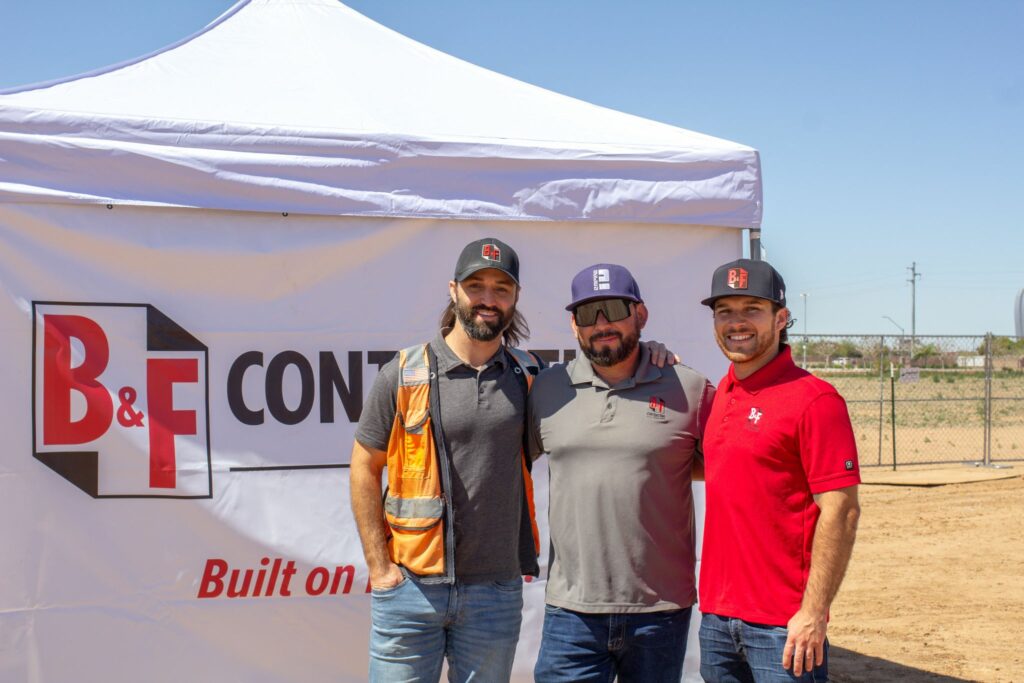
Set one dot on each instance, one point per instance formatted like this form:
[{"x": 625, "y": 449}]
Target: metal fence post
[
  {"x": 881, "y": 394},
  {"x": 987, "y": 455},
  {"x": 892, "y": 389}
]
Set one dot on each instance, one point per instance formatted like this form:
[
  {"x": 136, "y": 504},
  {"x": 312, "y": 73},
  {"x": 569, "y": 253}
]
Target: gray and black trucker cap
[
  {"x": 746, "y": 277},
  {"x": 487, "y": 253}
]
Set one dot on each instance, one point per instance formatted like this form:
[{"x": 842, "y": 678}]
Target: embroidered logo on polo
[
  {"x": 849, "y": 465},
  {"x": 656, "y": 409},
  {"x": 491, "y": 252},
  {"x": 602, "y": 279},
  {"x": 755, "y": 416}
]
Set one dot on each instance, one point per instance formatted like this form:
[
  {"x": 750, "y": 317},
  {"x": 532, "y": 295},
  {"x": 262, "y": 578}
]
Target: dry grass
[{"x": 940, "y": 418}]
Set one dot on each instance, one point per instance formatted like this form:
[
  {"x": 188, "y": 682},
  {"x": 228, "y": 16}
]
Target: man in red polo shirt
[{"x": 781, "y": 488}]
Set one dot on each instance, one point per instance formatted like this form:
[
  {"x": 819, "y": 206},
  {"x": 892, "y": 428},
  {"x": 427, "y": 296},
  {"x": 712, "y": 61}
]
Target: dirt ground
[{"x": 935, "y": 589}]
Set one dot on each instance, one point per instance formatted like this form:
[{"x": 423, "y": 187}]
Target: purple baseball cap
[{"x": 603, "y": 281}]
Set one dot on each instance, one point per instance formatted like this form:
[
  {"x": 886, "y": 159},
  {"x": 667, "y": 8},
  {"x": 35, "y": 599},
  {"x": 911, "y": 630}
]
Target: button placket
[
  {"x": 610, "y": 404},
  {"x": 732, "y": 402}
]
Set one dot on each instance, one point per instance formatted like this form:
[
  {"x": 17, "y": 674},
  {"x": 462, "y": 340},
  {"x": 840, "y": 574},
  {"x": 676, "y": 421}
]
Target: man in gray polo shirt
[{"x": 621, "y": 436}]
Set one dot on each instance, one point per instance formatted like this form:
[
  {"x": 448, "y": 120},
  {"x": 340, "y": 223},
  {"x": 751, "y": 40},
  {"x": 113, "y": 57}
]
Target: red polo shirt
[{"x": 772, "y": 441}]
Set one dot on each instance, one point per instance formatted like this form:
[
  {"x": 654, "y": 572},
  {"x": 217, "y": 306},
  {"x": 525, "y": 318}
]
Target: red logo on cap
[
  {"x": 491, "y": 252},
  {"x": 737, "y": 278}
]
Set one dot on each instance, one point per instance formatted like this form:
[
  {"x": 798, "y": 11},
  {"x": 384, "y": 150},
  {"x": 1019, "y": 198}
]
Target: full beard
[
  {"x": 610, "y": 354},
  {"x": 482, "y": 330}
]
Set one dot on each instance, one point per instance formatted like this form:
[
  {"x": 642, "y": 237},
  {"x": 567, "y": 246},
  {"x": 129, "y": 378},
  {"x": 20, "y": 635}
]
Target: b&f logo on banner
[{"x": 120, "y": 400}]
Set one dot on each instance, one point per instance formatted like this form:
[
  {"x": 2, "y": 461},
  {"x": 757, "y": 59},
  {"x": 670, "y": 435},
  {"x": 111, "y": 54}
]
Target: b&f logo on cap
[
  {"x": 120, "y": 400},
  {"x": 737, "y": 278},
  {"x": 602, "y": 279},
  {"x": 491, "y": 252}
]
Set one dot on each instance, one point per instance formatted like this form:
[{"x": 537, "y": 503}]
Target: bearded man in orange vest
[{"x": 454, "y": 535}]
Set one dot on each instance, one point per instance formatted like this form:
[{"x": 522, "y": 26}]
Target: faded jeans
[{"x": 416, "y": 626}]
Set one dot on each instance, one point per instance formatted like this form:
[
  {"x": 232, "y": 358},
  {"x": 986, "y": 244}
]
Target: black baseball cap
[
  {"x": 604, "y": 281},
  {"x": 487, "y": 253},
  {"x": 746, "y": 277}
]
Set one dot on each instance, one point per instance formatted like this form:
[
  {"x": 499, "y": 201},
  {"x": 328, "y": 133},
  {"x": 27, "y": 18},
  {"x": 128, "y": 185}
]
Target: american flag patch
[{"x": 414, "y": 375}]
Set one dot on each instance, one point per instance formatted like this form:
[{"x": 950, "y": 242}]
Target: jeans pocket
[
  {"x": 657, "y": 630},
  {"x": 772, "y": 630},
  {"x": 509, "y": 585},
  {"x": 391, "y": 590}
]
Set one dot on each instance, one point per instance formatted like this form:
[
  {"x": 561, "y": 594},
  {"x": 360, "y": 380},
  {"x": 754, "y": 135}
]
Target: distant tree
[
  {"x": 925, "y": 353},
  {"x": 849, "y": 349},
  {"x": 1004, "y": 346}
]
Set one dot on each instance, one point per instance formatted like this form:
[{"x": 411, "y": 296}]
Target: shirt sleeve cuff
[{"x": 836, "y": 481}]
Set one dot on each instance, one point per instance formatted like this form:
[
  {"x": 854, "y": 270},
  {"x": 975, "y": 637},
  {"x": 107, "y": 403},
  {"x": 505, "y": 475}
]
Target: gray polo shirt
[
  {"x": 482, "y": 414},
  {"x": 621, "y": 506}
]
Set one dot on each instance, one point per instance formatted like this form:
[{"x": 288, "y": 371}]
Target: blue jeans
[
  {"x": 736, "y": 651},
  {"x": 415, "y": 626},
  {"x": 644, "y": 647}
]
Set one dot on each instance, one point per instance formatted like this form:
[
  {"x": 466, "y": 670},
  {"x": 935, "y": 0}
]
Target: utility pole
[
  {"x": 804, "y": 296},
  {"x": 914, "y": 275}
]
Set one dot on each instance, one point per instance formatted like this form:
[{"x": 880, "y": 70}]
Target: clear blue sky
[{"x": 889, "y": 132}]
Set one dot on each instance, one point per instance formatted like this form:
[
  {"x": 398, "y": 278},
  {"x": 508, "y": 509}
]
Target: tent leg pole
[{"x": 755, "y": 244}]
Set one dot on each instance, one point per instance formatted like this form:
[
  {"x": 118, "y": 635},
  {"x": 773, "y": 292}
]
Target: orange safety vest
[{"x": 415, "y": 505}]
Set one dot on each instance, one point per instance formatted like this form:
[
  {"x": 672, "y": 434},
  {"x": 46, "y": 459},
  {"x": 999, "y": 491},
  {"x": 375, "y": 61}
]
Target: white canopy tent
[
  {"x": 294, "y": 181},
  {"x": 310, "y": 107}
]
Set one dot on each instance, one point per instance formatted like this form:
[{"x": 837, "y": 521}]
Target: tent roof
[{"x": 308, "y": 106}]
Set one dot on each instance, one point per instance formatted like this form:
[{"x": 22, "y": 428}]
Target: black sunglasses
[{"x": 613, "y": 309}]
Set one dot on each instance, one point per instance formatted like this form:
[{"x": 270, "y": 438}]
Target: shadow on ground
[{"x": 846, "y": 666}]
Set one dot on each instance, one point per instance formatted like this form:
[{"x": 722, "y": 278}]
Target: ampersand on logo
[{"x": 127, "y": 416}]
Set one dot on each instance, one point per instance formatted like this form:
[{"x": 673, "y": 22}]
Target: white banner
[{"x": 180, "y": 391}]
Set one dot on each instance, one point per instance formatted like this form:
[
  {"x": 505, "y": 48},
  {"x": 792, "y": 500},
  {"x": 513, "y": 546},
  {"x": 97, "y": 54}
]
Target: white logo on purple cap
[{"x": 602, "y": 279}]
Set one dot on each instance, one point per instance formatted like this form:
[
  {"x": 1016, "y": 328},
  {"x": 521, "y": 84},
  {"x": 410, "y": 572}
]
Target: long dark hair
[{"x": 516, "y": 333}]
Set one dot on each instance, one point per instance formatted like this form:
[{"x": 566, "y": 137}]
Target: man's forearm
[
  {"x": 833, "y": 542},
  {"x": 834, "y": 536},
  {"x": 368, "y": 511}
]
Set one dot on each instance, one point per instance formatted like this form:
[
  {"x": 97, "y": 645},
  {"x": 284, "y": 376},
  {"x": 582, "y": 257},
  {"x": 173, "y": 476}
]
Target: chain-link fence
[{"x": 925, "y": 399}]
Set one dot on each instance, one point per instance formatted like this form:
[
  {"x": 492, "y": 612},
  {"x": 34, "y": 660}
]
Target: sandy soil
[{"x": 935, "y": 590}]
